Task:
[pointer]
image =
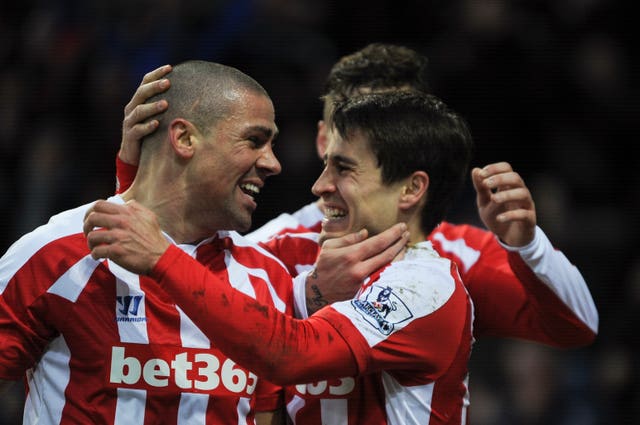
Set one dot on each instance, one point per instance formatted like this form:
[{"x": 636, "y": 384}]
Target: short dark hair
[
  {"x": 198, "y": 93},
  {"x": 412, "y": 131},
  {"x": 376, "y": 67}
]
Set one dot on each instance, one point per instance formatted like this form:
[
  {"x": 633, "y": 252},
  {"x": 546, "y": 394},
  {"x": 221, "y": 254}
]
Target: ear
[
  {"x": 321, "y": 139},
  {"x": 183, "y": 136},
  {"x": 415, "y": 190}
]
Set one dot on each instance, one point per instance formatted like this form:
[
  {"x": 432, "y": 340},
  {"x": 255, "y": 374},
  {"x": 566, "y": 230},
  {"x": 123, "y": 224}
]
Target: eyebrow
[
  {"x": 266, "y": 131},
  {"x": 341, "y": 158}
]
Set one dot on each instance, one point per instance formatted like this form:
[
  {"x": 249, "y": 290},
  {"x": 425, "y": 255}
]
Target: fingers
[
  {"x": 103, "y": 245},
  {"x": 495, "y": 178},
  {"x": 496, "y": 168},
  {"x": 346, "y": 240},
  {"x": 151, "y": 85},
  {"x": 520, "y": 214},
  {"x": 382, "y": 241},
  {"x": 484, "y": 193},
  {"x": 137, "y": 110},
  {"x": 144, "y": 111},
  {"x": 96, "y": 239},
  {"x": 371, "y": 245},
  {"x": 101, "y": 214},
  {"x": 137, "y": 122},
  {"x": 384, "y": 257},
  {"x": 372, "y": 253},
  {"x": 519, "y": 195},
  {"x": 156, "y": 73},
  {"x": 100, "y": 251}
]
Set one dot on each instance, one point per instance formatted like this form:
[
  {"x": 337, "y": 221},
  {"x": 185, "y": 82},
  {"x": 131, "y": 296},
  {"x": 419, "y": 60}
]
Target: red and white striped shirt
[
  {"x": 98, "y": 344},
  {"x": 408, "y": 330},
  {"x": 531, "y": 292}
]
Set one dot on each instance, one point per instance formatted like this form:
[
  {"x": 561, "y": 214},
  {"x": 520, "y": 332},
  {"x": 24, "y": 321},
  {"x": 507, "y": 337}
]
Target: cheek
[
  {"x": 241, "y": 162},
  {"x": 381, "y": 210},
  {"x": 362, "y": 206}
]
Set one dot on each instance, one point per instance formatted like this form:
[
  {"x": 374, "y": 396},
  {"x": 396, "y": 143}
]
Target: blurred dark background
[{"x": 547, "y": 85}]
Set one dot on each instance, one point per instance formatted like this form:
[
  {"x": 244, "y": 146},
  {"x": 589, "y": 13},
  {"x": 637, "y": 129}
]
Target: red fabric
[
  {"x": 125, "y": 173},
  {"x": 93, "y": 332},
  {"x": 421, "y": 341},
  {"x": 528, "y": 309},
  {"x": 214, "y": 306}
]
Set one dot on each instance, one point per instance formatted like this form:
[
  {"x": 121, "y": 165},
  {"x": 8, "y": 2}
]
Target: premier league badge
[{"x": 382, "y": 308}]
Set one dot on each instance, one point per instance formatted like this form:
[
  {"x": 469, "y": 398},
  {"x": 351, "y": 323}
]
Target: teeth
[
  {"x": 334, "y": 212},
  {"x": 250, "y": 189}
]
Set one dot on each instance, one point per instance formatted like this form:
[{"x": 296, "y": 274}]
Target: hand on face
[
  {"x": 353, "y": 194},
  {"x": 344, "y": 262}
]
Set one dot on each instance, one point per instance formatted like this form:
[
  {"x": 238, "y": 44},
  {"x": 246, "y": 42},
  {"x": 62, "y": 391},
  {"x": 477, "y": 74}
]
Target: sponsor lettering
[
  {"x": 178, "y": 369},
  {"x": 336, "y": 388}
]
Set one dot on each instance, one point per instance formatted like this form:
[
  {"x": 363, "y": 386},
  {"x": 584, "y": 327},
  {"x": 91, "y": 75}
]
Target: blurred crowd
[{"x": 547, "y": 85}]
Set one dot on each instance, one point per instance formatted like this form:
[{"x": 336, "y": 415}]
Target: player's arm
[
  {"x": 130, "y": 235},
  {"x": 328, "y": 345},
  {"x": 337, "y": 274},
  {"x": 544, "y": 290},
  {"x": 298, "y": 252},
  {"x": 138, "y": 123},
  {"x": 266, "y": 341}
]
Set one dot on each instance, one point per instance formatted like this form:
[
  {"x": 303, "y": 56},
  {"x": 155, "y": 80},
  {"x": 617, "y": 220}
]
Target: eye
[
  {"x": 342, "y": 168},
  {"x": 257, "y": 141}
]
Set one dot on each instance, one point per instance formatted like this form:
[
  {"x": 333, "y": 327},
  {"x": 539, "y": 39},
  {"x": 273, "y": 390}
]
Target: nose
[
  {"x": 323, "y": 184},
  {"x": 268, "y": 162}
]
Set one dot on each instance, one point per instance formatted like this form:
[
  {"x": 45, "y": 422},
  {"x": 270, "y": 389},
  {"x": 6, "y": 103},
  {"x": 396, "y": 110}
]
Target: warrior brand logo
[
  {"x": 128, "y": 306},
  {"x": 178, "y": 369},
  {"x": 382, "y": 308}
]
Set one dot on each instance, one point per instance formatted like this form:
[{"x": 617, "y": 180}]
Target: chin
[
  {"x": 239, "y": 224},
  {"x": 245, "y": 227}
]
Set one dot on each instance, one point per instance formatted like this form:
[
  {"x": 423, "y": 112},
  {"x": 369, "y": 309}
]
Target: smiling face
[
  {"x": 352, "y": 191},
  {"x": 231, "y": 164}
]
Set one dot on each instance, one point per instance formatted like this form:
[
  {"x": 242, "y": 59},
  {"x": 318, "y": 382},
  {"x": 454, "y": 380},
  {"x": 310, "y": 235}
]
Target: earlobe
[
  {"x": 182, "y": 135},
  {"x": 414, "y": 189}
]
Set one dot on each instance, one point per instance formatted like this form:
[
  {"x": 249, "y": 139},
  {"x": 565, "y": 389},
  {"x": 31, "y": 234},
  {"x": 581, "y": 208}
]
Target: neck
[
  {"x": 417, "y": 235},
  {"x": 167, "y": 200}
]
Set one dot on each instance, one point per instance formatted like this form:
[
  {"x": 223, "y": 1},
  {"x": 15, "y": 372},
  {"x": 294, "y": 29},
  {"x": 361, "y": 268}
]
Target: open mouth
[
  {"x": 333, "y": 213},
  {"x": 250, "y": 189}
]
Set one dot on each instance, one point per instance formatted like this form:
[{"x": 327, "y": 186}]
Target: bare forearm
[{"x": 315, "y": 297}]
